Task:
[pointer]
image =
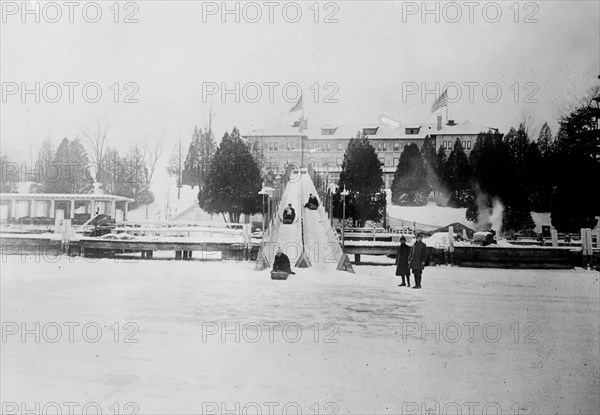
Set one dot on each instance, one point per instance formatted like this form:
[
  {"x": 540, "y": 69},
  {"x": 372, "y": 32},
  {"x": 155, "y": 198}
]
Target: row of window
[
  {"x": 338, "y": 161},
  {"x": 449, "y": 145},
  {"x": 324, "y": 146},
  {"x": 397, "y": 146},
  {"x": 389, "y": 162},
  {"x": 381, "y": 146}
]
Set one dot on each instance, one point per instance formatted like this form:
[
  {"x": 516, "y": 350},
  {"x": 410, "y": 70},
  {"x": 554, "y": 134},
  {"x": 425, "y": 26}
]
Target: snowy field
[{"x": 210, "y": 337}]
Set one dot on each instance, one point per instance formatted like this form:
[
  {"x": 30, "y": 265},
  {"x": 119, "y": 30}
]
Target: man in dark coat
[
  {"x": 282, "y": 263},
  {"x": 402, "y": 268},
  {"x": 289, "y": 213},
  {"x": 417, "y": 258},
  {"x": 312, "y": 201}
]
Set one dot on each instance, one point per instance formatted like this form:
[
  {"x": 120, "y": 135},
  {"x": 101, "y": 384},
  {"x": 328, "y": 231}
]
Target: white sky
[{"x": 369, "y": 53}]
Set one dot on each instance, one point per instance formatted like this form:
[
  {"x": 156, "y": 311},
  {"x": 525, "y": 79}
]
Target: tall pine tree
[
  {"x": 430, "y": 161},
  {"x": 362, "y": 177},
  {"x": 577, "y": 159},
  {"x": 441, "y": 196},
  {"x": 197, "y": 161},
  {"x": 458, "y": 177},
  {"x": 409, "y": 187},
  {"x": 233, "y": 180},
  {"x": 69, "y": 170}
]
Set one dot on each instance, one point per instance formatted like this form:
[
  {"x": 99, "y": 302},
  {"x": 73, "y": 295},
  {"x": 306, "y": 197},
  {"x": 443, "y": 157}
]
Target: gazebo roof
[{"x": 63, "y": 196}]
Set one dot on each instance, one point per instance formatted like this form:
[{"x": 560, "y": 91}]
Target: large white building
[{"x": 323, "y": 146}]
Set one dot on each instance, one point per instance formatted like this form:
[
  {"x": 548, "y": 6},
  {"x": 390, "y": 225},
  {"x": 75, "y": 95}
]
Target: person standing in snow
[
  {"x": 402, "y": 268},
  {"x": 417, "y": 258}
]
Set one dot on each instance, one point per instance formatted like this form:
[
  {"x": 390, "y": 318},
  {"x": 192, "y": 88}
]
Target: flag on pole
[
  {"x": 298, "y": 105},
  {"x": 442, "y": 101},
  {"x": 303, "y": 124}
]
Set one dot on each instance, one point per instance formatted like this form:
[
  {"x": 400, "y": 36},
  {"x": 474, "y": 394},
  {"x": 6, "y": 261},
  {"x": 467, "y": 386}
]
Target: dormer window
[
  {"x": 328, "y": 131},
  {"x": 370, "y": 131},
  {"x": 412, "y": 131}
]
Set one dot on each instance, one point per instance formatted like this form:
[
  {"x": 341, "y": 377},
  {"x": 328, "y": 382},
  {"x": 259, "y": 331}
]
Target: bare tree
[
  {"x": 208, "y": 120},
  {"x": 152, "y": 153},
  {"x": 175, "y": 166},
  {"x": 528, "y": 125},
  {"x": 95, "y": 143}
]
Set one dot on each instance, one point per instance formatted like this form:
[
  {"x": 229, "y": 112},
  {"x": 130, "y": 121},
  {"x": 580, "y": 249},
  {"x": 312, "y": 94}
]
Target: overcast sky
[{"x": 364, "y": 59}]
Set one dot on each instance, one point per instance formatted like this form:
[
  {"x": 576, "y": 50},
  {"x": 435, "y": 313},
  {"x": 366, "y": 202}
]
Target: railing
[{"x": 178, "y": 229}]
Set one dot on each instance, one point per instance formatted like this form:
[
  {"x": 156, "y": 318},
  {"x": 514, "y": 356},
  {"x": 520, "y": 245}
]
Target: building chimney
[{"x": 439, "y": 122}]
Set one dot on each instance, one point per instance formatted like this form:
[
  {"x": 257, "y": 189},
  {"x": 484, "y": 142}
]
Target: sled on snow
[
  {"x": 311, "y": 206},
  {"x": 279, "y": 275}
]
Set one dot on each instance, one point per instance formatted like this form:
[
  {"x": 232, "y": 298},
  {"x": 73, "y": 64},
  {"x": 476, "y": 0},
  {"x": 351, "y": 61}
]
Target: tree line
[
  {"x": 547, "y": 173},
  {"x": 552, "y": 173},
  {"x": 228, "y": 176},
  {"x": 75, "y": 165}
]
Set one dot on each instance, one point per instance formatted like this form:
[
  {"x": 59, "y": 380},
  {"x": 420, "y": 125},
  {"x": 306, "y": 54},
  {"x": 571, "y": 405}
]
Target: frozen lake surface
[{"x": 209, "y": 337}]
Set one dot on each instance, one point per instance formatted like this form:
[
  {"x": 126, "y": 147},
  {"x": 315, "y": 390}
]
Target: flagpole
[{"x": 302, "y": 98}]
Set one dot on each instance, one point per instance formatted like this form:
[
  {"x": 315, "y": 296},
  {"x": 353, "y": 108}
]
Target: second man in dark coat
[
  {"x": 417, "y": 259},
  {"x": 402, "y": 268}
]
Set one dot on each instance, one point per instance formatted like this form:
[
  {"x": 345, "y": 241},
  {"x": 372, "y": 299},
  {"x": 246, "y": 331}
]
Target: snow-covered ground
[{"x": 517, "y": 340}]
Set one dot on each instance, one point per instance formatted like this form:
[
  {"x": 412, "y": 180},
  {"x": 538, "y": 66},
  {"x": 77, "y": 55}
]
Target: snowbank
[
  {"x": 432, "y": 215},
  {"x": 354, "y": 349}
]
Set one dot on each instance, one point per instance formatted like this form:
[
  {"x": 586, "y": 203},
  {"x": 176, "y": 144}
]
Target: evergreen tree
[
  {"x": 259, "y": 157},
  {"x": 488, "y": 161},
  {"x": 516, "y": 198},
  {"x": 429, "y": 160},
  {"x": 233, "y": 180},
  {"x": 548, "y": 174},
  {"x": 9, "y": 175},
  {"x": 110, "y": 172},
  {"x": 517, "y": 219},
  {"x": 175, "y": 167},
  {"x": 197, "y": 161},
  {"x": 133, "y": 176},
  {"x": 534, "y": 178},
  {"x": 362, "y": 177},
  {"x": 577, "y": 160},
  {"x": 458, "y": 177},
  {"x": 441, "y": 196},
  {"x": 43, "y": 166},
  {"x": 545, "y": 140},
  {"x": 496, "y": 175},
  {"x": 409, "y": 187},
  {"x": 69, "y": 170}
]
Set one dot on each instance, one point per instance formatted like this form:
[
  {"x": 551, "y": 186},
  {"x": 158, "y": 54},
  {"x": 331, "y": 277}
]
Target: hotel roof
[{"x": 374, "y": 131}]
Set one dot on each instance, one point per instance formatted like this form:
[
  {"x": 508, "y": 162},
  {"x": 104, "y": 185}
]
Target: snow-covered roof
[
  {"x": 63, "y": 196},
  {"x": 346, "y": 131},
  {"x": 465, "y": 128}
]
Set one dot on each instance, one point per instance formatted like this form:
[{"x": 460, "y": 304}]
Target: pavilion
[{"x": 45, "y": 208}]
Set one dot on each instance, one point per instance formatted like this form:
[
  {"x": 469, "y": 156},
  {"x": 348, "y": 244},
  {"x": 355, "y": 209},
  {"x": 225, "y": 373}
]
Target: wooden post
[
  {"x": 66, "y": 235},
  {"x": 450, "y": 260},
  {"x": 587, "y": 249},
  {"x": 554, "y": 235}
]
